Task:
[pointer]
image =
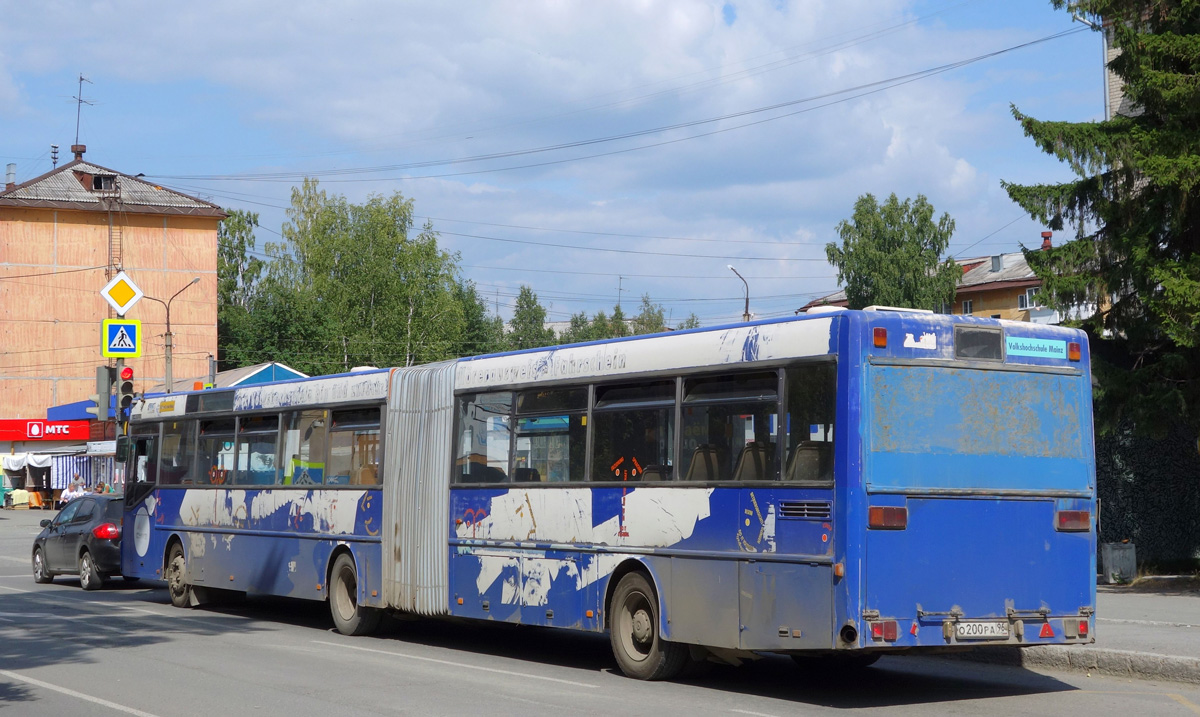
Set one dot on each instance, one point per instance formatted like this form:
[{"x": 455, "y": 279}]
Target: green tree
[
  {"x": 691, "y": 322},
  {"x": 651, "y": 318},
  {"x": 891, "y": 255},
  {"x": 482, "y": 332},
  {"x": 618, "y": 325},
  {"x": 1134, "y": 204},
  {"x": 238, "y": 275},
  {"x": 354, "y": 284},
  {"x": 527, "y": 329}
]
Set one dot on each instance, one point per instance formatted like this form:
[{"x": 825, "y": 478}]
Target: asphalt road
[{"x": 125, "y": 650}]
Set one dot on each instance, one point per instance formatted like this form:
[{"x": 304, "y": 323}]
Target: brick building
[{"x": 63, "y": 235}]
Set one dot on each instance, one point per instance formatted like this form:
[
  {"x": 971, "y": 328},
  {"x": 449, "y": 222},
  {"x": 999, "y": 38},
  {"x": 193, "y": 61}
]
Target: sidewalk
[{"x": 1151, "y": 631}]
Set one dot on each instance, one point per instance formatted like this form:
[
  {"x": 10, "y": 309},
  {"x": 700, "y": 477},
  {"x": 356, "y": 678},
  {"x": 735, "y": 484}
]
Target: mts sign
[{"x": 38, "y": 430}]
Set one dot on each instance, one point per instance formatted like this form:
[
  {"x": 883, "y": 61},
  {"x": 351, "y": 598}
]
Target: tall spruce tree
[{"x": 1134, "y": 205}]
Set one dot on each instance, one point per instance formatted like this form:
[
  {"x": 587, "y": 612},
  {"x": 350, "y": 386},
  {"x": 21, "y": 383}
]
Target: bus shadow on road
[{"x": 63, "y": 625}]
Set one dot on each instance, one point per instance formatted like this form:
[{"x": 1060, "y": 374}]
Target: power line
[{"x": 862, "y": 90}]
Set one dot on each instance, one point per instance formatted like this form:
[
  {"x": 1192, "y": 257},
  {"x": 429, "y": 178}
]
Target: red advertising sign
[{"x": 34, "y": 429}]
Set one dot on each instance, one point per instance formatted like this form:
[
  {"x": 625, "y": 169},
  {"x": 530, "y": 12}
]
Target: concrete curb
[{"x": 1118, "y": 663}]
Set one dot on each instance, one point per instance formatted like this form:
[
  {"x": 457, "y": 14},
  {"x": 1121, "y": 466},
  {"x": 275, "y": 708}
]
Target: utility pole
[
  {"x": 169, "y": 337},
  {"x": 79, "y": 103}
]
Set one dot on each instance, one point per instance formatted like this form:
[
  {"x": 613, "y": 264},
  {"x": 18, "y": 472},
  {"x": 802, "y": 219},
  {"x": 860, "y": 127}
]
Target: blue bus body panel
[{"x": 269, "y": 541}]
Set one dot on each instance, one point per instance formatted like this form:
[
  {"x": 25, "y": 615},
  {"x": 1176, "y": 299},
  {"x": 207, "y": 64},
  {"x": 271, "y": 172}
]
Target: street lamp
[
  {"x": 170, "y": 336},
  {"x": 746, "y": 312}
]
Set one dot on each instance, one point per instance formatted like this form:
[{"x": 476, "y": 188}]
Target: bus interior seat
[
  {"x": 755, "y": 462},
  {"x": 526, "y": 475},
  {"x": 482, "y": 473},
  {"x": 705, "y": 465},
  {"x": 655, "y": 473},
  {"x": 365, "y": 475},
  {"x": 810, "y": 462}
]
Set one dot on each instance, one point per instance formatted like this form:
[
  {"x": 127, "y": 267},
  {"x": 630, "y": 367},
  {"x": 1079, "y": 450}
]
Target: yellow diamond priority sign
[{"x": 121, "y": 293}]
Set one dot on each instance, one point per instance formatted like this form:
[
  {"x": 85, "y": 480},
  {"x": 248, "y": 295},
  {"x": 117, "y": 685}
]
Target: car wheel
[
  {"x": 180, "y": 591},
  {"x": 41, "y": 572},
  {"x": 633, "y": 630},
  {"x": 349, "y": 617},
  {"x": 89, "y": 577}
]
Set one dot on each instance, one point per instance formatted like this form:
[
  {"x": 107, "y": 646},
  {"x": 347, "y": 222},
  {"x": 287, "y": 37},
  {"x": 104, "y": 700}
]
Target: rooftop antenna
[
  {"x": 620, "y": 281},
  {"x": 54, "y": 155},
  {"x": 79, "y": 103}
]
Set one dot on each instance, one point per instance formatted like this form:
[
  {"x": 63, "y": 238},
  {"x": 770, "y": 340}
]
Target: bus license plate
[{"x": 981, "y": 630}]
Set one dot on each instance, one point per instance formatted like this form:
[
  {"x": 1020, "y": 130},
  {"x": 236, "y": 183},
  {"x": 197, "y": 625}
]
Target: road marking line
[
  {"x": 18, "y": 575},
  {"x": 1150, "y": 623},
  {"x": 459, "y": 664},
  {"x": 15, "y": 560},
  {"x": 78, "y": 695},
  {"x": 756, "y": 714},
  {"x": 1185, "y": 702},
  {"x": 16, "y": 590}
]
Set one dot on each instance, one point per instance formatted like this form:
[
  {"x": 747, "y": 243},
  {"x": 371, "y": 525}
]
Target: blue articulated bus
[{"x": 842, "y": 484}]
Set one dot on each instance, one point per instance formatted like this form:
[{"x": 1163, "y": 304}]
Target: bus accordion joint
[
  {"x": 881, "y": 517},
  {"x": 1073, "y": 521}
]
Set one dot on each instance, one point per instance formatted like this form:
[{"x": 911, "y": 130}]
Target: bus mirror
[{"x": 122, "y": 452}]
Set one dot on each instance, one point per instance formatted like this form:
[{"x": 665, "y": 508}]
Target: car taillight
[
  {"x": 106, "y": 531},
  {"x": 1074, "y": 521},
  {"x": 887, "y": 518}
]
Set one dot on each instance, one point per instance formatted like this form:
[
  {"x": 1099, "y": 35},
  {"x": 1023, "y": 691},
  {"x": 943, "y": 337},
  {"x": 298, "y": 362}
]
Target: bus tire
[
  {"x": 349, "y": 617},
  {"x": 89, "y": 577},
  {"x": 633, "y": 631},
  {"x": 177, "y": 587}
]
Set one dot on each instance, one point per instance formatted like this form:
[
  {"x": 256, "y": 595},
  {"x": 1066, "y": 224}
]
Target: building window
[
  {"x": 103, "y": 182},
  {"x": 1025, "y": 300},
  {"x": 966, "y": 307}
]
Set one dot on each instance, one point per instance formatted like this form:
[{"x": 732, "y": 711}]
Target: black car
[{"x": 83, "y": 539}]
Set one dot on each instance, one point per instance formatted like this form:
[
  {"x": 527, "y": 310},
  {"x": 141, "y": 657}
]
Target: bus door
[
  {"x": 785, "y": 520},
  {"x": 139, "y": 455}
]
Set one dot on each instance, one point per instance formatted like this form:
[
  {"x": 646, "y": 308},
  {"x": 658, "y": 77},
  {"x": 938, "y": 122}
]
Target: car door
[
  {"x": 54, "y": 540},
  {"x": 74, "y": 530}
]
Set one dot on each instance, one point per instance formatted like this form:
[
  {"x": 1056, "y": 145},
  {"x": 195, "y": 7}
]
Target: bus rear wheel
[
  {"x": 633, "y": 630},
  {"x": 177, "y": 587},
  {"x": 349, "y": 617}
]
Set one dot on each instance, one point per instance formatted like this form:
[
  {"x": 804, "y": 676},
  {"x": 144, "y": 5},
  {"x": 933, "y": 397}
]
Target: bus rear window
[{"x": 940, "y": 427}]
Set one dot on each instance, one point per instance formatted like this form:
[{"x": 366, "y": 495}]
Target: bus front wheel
[
  {"x": 179, "y": 589},
  {"x": 349, "y": 617},
  {"x": 633, "y": 630}
]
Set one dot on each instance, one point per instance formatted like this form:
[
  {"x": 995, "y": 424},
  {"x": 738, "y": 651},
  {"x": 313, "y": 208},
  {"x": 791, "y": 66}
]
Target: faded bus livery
[{"x": 844, "y": 484}]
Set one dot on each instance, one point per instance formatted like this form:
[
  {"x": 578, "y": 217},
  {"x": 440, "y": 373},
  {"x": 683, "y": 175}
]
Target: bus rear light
[
  {"x": 880, "y": 335},
  {"x": 106, "y": 531},
  {"x": 886, "y": 630},
  {"x": 883, "y": 517},
  {"x": 1073, "y": 521},
  {"x": 1074, "y": 352},
  {"x": 1083, "y": 628}
]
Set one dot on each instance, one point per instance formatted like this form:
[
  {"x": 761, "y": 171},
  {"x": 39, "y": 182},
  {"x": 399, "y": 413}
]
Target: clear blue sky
[{"x": 671, "y": 159}]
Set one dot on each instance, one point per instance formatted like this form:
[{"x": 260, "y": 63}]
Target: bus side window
[
  {"x": 304, "y": 447},
  {"x": 811, "y": 398},
  {"x": 176, "y": 452},
  {"x": 354, "y": 448},
  {"x": 731, "y": 427},
  {"x": 257, "y": 438},
  {"x": 634, "y": 437},
  {"x": 551, "y": 444},
  {"x": 214, "y": 452},
  {"x": 481, "y": 451}
]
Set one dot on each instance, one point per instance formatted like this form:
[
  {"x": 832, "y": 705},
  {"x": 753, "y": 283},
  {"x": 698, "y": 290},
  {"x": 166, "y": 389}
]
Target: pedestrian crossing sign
[{"x": 121, "y": 338}]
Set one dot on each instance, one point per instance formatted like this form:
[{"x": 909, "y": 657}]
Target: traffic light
[
  {"x": 125, "y": 392},
  {"x": 105, "y": 377}
]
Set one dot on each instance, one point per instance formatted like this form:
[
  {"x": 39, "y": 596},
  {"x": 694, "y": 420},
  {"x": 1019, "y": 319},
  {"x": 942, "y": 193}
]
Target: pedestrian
[
  {"x": 99, "y": 487},
  {"x": 73, "y": 491}
]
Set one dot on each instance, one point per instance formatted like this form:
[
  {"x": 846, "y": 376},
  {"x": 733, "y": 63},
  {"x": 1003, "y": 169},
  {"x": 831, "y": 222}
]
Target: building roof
[
  {"x": 244, "y": 376},
  {"x": 70, "y": 187},
  {"x": 978, "y": 275}
]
